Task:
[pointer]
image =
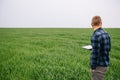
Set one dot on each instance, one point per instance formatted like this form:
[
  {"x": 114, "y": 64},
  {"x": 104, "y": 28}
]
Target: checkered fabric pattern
[{"x": 101, "y": 46}]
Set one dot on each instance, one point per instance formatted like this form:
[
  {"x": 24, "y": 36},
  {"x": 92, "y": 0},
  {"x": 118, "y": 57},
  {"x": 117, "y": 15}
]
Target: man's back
[{"x": 101, "y": 46}]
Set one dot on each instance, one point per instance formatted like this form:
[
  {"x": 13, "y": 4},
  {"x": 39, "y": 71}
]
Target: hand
[{"x": 93, "y": 70}]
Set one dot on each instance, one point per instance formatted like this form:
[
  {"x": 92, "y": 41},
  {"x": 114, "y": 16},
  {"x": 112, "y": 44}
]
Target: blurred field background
[{"x": 51, "y": 54}]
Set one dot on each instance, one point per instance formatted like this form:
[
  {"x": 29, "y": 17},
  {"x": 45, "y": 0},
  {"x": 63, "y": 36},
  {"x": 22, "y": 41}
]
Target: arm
[
  {"x": 95, "y": 42},
  {"x": 109, "y": 43}
]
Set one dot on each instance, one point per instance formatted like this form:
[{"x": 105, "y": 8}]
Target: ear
[
  {"x": 101, "y": 24},
  {"x": 91, "y": 24}
]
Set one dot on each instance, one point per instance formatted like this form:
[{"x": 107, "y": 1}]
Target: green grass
[{"x": 51, "y": 54}]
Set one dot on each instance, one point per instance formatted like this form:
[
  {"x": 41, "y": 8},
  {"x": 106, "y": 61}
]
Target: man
[{"x": 101, "y": 45}]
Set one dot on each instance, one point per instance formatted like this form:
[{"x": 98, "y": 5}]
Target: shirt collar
[{"x": 97, "y": 29}]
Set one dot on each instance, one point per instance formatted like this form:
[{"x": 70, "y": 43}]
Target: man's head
[{"x": 96, "y": 22}]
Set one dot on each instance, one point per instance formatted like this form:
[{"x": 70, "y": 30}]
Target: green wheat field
[{"x": 52, "y": 54}]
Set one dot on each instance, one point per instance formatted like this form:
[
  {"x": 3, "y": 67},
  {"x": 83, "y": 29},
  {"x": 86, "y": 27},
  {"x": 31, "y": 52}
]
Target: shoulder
[{"x": 98, "y": 33}]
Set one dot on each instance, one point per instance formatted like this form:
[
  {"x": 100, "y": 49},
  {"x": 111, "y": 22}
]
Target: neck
[{"x": 96, "y": 27}]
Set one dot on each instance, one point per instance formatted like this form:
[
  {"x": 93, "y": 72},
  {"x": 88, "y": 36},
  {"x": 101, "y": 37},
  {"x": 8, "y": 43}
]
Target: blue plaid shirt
[{"x": 101, "y": 46}]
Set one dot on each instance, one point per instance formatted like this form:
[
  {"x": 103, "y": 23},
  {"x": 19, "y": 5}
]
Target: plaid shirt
[{"x": 101, "y": 46}]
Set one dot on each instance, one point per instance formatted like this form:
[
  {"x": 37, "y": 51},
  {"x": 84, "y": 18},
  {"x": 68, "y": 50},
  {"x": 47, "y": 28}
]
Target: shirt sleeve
[{"x": 95, "y": 42}]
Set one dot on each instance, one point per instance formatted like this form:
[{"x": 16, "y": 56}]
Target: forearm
[{"x": 93, "y": 61}]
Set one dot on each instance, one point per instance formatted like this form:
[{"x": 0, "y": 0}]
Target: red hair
[{"x": 96, "y": 21}]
